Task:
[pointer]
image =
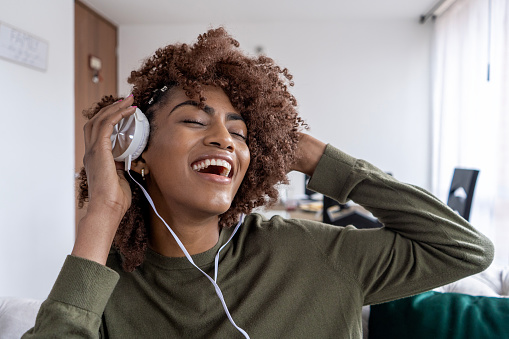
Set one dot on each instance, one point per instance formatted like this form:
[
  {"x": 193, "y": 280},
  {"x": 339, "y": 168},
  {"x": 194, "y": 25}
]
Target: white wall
[
  {"x": 37, "y": 134},
  {"x": 362, "y": 85}
]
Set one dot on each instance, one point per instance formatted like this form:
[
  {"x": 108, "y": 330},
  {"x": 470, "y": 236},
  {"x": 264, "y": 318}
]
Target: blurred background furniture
[
  {"x": 17, "y": 315},
  {"x": 337, "y": 214},
  {"x": 461, "y": 194},
  {"x": 462, "y": 189},
  {"x": 476, "y": 303}
]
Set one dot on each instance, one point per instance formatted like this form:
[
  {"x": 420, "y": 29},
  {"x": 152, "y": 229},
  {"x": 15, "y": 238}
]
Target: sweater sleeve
[
  {"x": 76, "y": 302},
  {"x": 423, "y": 244}
]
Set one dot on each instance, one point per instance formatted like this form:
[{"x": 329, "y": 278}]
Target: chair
[{"x": 461, "y": 192}]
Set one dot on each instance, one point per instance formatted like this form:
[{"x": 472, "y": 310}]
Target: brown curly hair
[{"x": 256, "y": 87}]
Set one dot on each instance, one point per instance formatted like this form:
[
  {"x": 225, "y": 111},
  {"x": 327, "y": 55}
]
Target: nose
[{"x": 219, "y": 136}]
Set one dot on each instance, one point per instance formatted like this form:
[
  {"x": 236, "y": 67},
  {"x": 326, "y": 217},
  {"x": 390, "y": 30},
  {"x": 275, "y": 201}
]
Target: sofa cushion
[
  {"x": 441, "y": 315},
  {"x": 494, "y": 282},
  {"x": 17, "y": 315}
]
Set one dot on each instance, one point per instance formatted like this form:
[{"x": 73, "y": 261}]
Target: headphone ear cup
[
  {"x": 130, "y": 136},
  {"x": 145, "y": 129}
]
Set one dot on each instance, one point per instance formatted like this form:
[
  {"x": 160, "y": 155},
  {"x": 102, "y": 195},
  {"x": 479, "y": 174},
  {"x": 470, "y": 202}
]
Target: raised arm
[
  {"x": 75, "y": 304},
  {"x": 423, "y": 243}
]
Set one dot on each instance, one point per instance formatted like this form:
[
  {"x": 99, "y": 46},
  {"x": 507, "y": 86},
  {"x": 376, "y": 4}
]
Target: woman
[{"x": 224, "y": 132}]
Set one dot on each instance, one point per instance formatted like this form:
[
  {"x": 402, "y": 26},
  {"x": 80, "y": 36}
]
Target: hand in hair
[
  {"x": 308, "y": 154},
  {"x": 108, "y": 190}
]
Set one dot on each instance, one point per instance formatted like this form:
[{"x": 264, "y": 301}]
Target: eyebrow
[{"x": 209, "y": 110}]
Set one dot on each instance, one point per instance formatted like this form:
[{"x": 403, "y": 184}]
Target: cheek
[
  {"x": 245, "y": 161},
  {"x": 165, "y": 140}
]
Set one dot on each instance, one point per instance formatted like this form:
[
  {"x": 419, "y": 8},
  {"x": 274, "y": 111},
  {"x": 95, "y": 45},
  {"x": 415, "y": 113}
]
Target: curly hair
[{"x": 256, "y": 87}]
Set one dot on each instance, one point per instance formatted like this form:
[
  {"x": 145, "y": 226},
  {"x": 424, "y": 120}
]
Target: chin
[
  {"x": 222, "y": 209},
  {"x": 216, "y": 207}
]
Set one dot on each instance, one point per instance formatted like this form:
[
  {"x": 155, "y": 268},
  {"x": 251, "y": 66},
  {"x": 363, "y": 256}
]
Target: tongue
[{"x": 212, "y": 170}]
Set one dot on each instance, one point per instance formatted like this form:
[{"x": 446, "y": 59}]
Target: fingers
[
  {"x": 97, "y": 134},
  {"x": 101, "y": 125},
  {"x": 109, "y": 115}
]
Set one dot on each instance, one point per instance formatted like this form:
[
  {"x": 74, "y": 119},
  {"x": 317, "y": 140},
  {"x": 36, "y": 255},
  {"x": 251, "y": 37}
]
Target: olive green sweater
[{"x": 280, "y": 278}]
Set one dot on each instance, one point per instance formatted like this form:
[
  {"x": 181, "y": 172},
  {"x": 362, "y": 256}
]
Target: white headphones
[{"x": 130, "y": 136}]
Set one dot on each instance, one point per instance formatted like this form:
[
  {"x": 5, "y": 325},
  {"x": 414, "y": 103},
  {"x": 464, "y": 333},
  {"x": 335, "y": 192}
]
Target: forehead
[{"x": 215, "y": 97}]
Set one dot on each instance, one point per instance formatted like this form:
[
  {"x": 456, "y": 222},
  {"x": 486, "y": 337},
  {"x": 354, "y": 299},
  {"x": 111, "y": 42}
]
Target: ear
[{"x": 139, "y": 164}]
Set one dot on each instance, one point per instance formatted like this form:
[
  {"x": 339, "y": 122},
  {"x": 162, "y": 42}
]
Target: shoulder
[{"x": 293, "y": 240}]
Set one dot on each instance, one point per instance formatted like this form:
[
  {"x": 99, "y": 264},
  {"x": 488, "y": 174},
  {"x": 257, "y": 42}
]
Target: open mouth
[{"x": 213, "y": 166}]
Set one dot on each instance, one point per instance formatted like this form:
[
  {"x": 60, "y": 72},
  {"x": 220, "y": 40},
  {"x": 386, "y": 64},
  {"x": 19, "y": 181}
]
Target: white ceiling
[{"x": 130, "y": 12}]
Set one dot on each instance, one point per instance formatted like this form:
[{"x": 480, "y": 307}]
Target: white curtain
[{"x": 471, "y": 112}]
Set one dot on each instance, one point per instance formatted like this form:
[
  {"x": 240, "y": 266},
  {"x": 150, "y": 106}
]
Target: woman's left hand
[{"x": 309, "y": 152}]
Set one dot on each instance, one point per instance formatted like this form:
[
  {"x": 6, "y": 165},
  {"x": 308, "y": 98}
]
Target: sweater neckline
[{"x": 200, "y": 259}]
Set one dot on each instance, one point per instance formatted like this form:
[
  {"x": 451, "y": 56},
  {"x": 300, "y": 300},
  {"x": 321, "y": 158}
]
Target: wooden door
[{"x": 94, "y": 37}]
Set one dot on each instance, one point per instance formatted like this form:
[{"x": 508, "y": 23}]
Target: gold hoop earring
[{"x": 143, "y": 173}]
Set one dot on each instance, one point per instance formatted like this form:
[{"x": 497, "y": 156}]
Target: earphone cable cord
[{"x": 186, "y": 253}]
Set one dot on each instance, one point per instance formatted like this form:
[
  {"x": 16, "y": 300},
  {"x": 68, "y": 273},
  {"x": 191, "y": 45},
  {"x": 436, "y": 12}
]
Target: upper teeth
[{"x": 214, "y": 162}]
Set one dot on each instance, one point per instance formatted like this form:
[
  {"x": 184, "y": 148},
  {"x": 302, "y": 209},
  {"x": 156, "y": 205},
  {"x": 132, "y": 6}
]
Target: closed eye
[
  {"x": 187, "y": 121},
  {"x": 240, "y": 135}
]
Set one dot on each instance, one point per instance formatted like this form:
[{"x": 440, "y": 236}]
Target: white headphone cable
[{"x": 186, "y": 253}]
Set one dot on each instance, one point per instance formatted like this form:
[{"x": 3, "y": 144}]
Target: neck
[{"x": 197, "y": 236}]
